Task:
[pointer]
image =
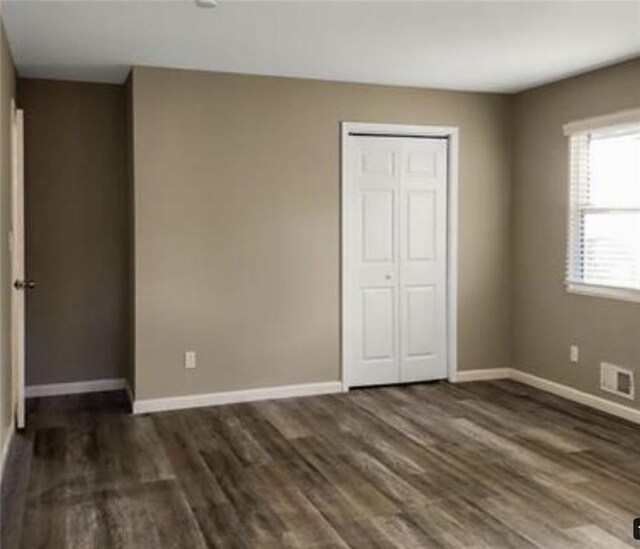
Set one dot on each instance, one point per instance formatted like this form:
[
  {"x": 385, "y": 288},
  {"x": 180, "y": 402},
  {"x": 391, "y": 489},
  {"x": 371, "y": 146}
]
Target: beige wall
[
  {"x": 546, "y": 318},
  {"x": 236, "y": 227},
  {"x": 237, "y": 224},
  {"x": 76, "y": 199},
  {"x": 7, "y": 92}
]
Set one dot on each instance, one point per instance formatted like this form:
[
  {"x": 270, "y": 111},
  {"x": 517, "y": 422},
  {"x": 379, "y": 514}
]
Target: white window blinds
[{"x": 604, "y": 209}]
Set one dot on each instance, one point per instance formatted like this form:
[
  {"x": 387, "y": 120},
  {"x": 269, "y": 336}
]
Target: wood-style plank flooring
[{"x": 488, "y": 464}]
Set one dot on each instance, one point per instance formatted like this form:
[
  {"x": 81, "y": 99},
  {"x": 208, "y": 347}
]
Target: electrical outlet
[
  {"x": 190, "y": 360},
  {"x": 574, "y": 353}
]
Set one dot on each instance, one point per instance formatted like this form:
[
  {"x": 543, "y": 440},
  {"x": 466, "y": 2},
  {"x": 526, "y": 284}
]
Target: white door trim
[
  {"x": 16, "y": 244},
  {"x": 451, "y": 133}
]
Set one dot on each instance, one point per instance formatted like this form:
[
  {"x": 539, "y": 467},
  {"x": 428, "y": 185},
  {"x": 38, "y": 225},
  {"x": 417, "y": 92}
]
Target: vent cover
[{"x": 616, "y": 380}]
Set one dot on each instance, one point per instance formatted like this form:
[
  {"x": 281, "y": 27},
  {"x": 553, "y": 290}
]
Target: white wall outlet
[
  {"x": 190, "y": 360},
  {"x": 574, "y": 353}
]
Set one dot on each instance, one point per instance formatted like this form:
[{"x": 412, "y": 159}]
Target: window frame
[{"x": 613, "y": 122}]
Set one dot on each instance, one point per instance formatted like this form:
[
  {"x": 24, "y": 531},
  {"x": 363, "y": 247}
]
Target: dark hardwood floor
[{"x": 488, "y": 464}]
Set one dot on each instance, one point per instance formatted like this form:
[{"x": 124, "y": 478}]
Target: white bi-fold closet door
[{"x": 395, "y": 218}]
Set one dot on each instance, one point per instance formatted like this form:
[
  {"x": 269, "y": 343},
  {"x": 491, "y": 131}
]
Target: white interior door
[
  {"x": 19, "y": 285},
  {"x": 395, "y": 217}
]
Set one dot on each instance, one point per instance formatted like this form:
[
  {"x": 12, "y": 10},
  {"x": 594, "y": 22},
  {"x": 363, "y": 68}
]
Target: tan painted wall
[
  {"x": 237, "y": 224},
  {"x": 7, "y": 92},
  {"x": 76, "y": 197},
  {"x": 237, "y": 228},
  {"x": 546, "y": 318}
]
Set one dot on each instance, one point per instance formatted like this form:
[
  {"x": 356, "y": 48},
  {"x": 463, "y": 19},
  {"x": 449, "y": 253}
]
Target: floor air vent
[{"x": 616, "y": 380}]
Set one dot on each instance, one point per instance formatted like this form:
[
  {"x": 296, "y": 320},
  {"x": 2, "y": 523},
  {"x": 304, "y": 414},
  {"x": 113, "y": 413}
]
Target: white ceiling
[{"x": 482, "y": 45}]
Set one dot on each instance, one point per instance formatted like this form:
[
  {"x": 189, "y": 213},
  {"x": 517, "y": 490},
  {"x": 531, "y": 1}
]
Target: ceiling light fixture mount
[{"x": 206, "y": 3}]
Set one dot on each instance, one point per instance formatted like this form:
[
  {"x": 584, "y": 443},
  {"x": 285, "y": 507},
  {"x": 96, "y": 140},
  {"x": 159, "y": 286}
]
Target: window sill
[{"x": 606, "y": 292}]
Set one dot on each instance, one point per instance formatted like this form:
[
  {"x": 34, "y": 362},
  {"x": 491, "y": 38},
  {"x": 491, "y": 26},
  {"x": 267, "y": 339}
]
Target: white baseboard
[
  {"x": 593, "y": 401},
  {"x": 129, "y": 392},
  {"x": 231, "y": 397},
  {"x": 482, "y": 375},
  {"x": 5, "y": 449},
  {"x": 309, "y": 389},
  {"x": 57, "y": 389}
]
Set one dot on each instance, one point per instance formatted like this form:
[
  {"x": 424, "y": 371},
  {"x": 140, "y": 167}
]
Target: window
[{"x": 604, "y": 210}]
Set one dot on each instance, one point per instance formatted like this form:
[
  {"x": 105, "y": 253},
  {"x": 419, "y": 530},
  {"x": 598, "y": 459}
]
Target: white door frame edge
[{"x": 452, "y": 134}]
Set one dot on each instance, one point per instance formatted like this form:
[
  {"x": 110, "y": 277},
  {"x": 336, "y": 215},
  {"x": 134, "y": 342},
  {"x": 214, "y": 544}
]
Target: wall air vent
[{"x": 617, "y": 380}]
